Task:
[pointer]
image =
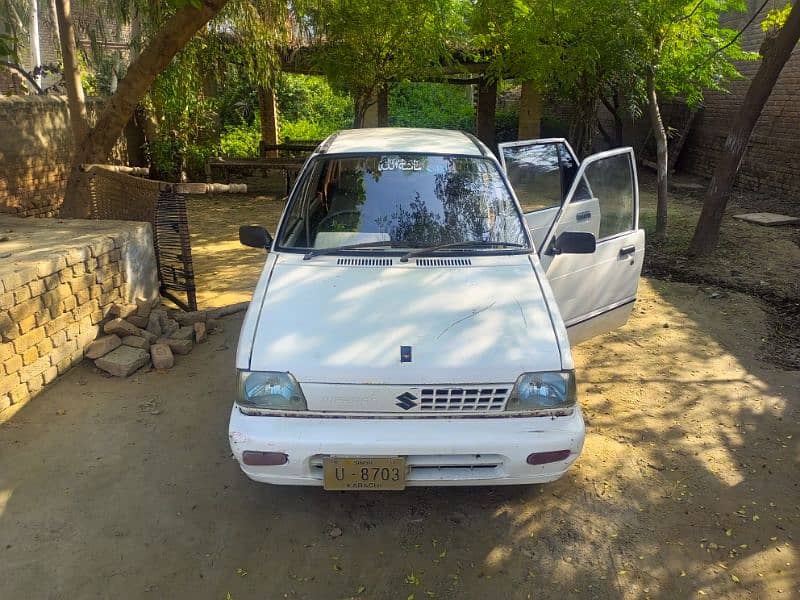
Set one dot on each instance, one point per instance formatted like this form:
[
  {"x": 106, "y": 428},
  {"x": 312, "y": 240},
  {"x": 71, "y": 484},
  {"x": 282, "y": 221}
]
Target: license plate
[{"x": 350, "y": 473}]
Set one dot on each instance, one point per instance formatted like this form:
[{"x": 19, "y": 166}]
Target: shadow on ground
[{"x": 687, "y": 487}]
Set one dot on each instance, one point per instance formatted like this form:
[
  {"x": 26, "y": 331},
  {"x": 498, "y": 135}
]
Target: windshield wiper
[
  {"x": 467, "y": 244},
  {"x": 335, "y": 249}
]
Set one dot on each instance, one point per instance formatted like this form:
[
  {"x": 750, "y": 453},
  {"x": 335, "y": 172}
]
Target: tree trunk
[
  {"x": 383, "y": 106},
  {"x": 662, "y": 158},
  {"x": 361, "y": 102},
  {"x": 775, "y": 51},
  {"x": 268, "y": 113},
  {"x": 613, "y": 108},
  {"x": 72, "y": 76},
  {"x": 530, "y": 112},
  {"x": 487, "y": 108},
  {"x": 96, "y": 145}
]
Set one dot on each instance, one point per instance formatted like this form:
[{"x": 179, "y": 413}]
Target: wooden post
[
  {"x": 530, "y": 112},
  {"x": 487, "y": 107},
  {"x": 268, "y": 112}
]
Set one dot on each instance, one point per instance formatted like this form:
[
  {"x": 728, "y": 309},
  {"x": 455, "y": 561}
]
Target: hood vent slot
[
  {"x": 444, "y": 262},
  {"x": 364, "y": 262}
]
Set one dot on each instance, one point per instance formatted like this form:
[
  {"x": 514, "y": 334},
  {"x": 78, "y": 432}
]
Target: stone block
[
  {"x": 6, "y": 350},
  {"x": 12, "y": 364},
  {"x": 162, "y": 357},
  {"x": 8, "y": 383},
  {"x": 190, "y": 318},
  {"x": 169, "y": 326},
  {"x": 184, "y": 333},
  {"x": 154, "y": 322},
  {"x": 140, "y": 322},
  {"x": 123, "y": 361},
  {"x": 44, "y": 347},
  {"x": 35, "y": 384},
  {"x": 135, "y": 341},
  {"x": 19, "y": 393},
  {"x": 199, "y": 332},
  {"x": 26, "y": 309},
  {"x": 8, "y": 327},
  {"x": 5, "y": 402},
  {"x": 214, "y": 326},
  {"x": 29, "y": 323},
  {"x": 21, "y": 294},
  {"x": 177, "y": 346},
  {"x": 30, "y": 355},
  {"x": 50, "y": 374},
  {"x": 144, "y": 307},
  {"x": 31, "y": 338},
  {"x": 58, "y": 324},
  {"x": 59, "y": 338},
  {"x": 121, "y": 327},
  {"x": 123, "y": 311},
  {"x": 35, "y": 369},
  {"x": 767, "y": 219},
  {"x": 51, "y": 282},
  {"x": 102, "y": 346},
  {"x": 37, "y": 287}
]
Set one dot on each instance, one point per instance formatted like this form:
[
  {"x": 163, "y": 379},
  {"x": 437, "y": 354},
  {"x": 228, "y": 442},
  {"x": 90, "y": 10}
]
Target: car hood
[{"x": 333, "y": 323}]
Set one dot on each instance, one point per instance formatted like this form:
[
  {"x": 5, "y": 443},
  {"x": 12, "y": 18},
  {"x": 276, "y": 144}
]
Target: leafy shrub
[
  {"x": 310, "y": 98},
  {"x": 437, "y": 105},
  {"x": 303, "y": 129},
  {"x": 240, "y": 141}
]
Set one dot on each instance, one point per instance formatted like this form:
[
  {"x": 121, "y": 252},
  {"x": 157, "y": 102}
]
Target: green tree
[
  {"x": 682, "y": 51},
  {"x": 782, "y": 27},
  {"x": 365, "y": 48}
]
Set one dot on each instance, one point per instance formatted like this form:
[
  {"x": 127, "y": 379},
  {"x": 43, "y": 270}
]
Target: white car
[{"x": 412, "y": 325}]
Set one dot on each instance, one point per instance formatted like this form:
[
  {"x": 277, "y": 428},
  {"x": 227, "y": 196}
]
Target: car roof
[{"x": 402, "y": 139}]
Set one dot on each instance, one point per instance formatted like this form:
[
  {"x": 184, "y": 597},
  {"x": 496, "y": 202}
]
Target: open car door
[
  {"x": 541, "y": 173},
  {"x": 595, "y": 290}
]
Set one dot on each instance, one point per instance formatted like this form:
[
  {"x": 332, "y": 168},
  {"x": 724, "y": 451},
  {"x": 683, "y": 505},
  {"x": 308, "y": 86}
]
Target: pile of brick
[{"x": 146, "y": 333}]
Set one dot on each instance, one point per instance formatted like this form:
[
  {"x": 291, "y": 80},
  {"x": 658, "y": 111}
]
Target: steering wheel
[{"x": 331, "y": 216}]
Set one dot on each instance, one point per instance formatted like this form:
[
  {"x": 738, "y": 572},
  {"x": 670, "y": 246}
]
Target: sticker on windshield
[{"x": 398, "y": 163}]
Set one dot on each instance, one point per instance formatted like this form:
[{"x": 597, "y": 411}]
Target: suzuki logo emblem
[{"x": 406, "y": 401}]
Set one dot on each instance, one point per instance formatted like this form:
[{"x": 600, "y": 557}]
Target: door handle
[
  {"x": 625, "y": 250},
  {"x": 583, "y": 216}
]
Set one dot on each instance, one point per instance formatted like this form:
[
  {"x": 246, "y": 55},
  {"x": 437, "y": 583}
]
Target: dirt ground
[{"x": 687, "y": 487}]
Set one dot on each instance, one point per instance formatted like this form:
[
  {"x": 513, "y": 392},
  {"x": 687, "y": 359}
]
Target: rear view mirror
[
  {"x": 573, "y": 242},
  {"x": 254, "y": 236}
]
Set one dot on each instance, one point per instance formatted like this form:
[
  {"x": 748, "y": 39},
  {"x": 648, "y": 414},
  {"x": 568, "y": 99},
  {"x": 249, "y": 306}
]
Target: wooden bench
[{"x": 289, "y": 166}]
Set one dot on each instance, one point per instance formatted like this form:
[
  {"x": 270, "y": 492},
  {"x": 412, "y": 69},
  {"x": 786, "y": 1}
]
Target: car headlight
[
  {"x": 269, "y": 390},
  {"x": 542, "y": 391}
]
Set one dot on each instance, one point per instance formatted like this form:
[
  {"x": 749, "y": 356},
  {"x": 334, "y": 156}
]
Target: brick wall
[
  {"x": 35, "y": 149},
  {"x": 772, "y": 161},
  {"x": 54, "y": 296}
]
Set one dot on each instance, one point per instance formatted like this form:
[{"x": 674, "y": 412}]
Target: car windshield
[{"x": 408, "y": 201}]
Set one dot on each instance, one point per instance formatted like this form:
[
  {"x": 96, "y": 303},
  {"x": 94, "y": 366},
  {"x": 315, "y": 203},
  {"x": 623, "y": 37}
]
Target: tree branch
[{"x": 15, "y": 67}]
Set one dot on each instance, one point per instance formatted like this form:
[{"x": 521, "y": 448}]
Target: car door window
[
  {"x": 612, "y": 187},
  {"x": 540, "y": 171}
]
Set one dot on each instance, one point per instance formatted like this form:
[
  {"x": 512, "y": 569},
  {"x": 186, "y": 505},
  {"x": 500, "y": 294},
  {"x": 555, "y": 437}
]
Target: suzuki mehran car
[{"x": 413, "y": 320}]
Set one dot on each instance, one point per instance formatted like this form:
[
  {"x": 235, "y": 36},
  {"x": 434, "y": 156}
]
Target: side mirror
[
  {"x": 254, "y": 236},
  {"x": 573, "y": 242}
]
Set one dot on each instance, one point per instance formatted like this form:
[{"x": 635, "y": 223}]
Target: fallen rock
[
  {"x": 162, "y": 357},
  {"x": 232, "y": 309},
  {"x": 124, "y": 311},
  {"x": 123, "y": 361},
  {"x": 102, "y": 346},
  {"x": 199, "y": 332},
  {"x": 121, "y": 327},
  {"x": 177, "y": 346},
  {"x": 140, "y": 322},
  {"x": 184, "y": 333},
  {"x": 136, "y": 341},
  {"x": 168, "y": 326},
  {"x": 143, "y": 307},
  {"x": 190, "y": 318},
  {"x": 153, "y": 324}
]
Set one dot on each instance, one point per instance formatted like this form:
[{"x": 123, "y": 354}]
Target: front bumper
[{"x": 439, "y": 451}]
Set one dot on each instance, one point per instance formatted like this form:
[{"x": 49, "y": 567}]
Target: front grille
[
  {"x": 443, "y": 262},
  {"x": 365, "y": 262},
  {"x": 466, "y": 399}
]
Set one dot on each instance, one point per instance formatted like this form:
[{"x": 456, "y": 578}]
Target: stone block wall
[{"x": 54, "y": 299}]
